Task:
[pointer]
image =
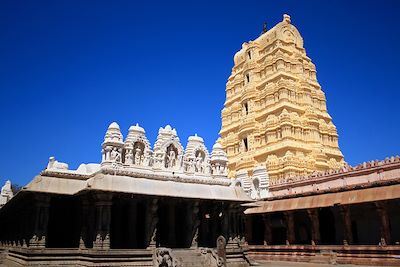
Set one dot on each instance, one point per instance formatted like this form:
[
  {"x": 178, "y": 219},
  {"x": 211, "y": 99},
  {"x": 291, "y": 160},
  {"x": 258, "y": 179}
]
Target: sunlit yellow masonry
[{"x": 275, "y": 111}]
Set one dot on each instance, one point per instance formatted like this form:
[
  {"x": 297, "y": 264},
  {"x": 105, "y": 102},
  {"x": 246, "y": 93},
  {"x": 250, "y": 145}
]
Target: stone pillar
[
  {"x": 193, "y": 214},
  {"x": 132, "y": 223},
  {"x": 315, "y": 234},
  {"x": 248, "y": 228},
  {"x": 290, "y": 234},
  {"x": 171, "y": 223},
  {"x": 221, "y": 251},
  {"x": 215, "y": 211},
  {"x": 84, "y": 239},
  {"x": 26, "y": 227},
  {"x": 267, "y": 229},
  {"x": 346, "y": 218},
  {"x": 151, "y": 223},
  {"x": 225, "y": 221},
  {"x": 103, "y": 203},
  {"x": 41, "y": 219},
  {"x": 242, "y": 226},
  {"x": 381, "y": 208},
  {"x": 234, "y": 221}
]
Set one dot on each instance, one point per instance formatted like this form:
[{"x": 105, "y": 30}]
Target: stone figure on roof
[
  {"x": 138, "y": 154},
  {"x": 6, "y": 193},
  {"x": 115, "y": 155},
  {"x": 171, "y": 159},
  {"x": 129, "y": 157},
  {"x": 147, "y": 158},
  {"x": 54, "y": 164},
  {"x": 199, "y": 163}
]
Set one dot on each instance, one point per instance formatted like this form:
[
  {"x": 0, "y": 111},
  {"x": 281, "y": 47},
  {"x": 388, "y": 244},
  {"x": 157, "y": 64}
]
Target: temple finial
[{"x": 286, "y": 18}]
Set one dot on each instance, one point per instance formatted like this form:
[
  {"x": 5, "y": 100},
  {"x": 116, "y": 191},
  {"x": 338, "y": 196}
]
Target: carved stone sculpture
[
  {"x": 129, "y": 158},
  {"x": 6, "y": 193},
  {"x": 171, "y": 159},
  {"x": 54, "y": 164},
  {"x": 164, "y": 258},
  {"x": 138, "y": 154},
  {"x": 221, "y": 251}
]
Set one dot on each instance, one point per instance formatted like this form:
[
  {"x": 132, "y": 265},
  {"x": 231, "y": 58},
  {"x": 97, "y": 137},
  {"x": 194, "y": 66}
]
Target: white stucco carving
[
  {"x": 168, "y": 150},
  {"x": 135, "y": 153},
  {"x": 54, "y": 164},
  {"x": 137, "y": 147},
  {"x": 6, "y": 193},
  {"x": 196, "y": 157},
  {"x": 256, "y": 186},
  {"x": 112, "y": 146},
  {"x": 218, "y": 161}
]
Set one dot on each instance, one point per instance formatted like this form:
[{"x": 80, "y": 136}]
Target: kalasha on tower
[{"x": 275, "y": 111}]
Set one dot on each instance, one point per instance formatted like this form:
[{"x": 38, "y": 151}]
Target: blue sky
[{"x": 70, "y": 68}]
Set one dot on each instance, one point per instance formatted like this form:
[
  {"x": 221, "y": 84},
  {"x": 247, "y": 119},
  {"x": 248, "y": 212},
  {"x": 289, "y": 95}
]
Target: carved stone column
[
  {"x": 234, "y": 221},
  {"x": 385, "y": 223},
  {"x": 248, "y": 228},
  {"x": 267, "y": 229},
  {"x": 132, "y": 223},
  {"x": 193, "y": 214},
  {"x": 85, "y": 238},
  {"x": 315, "y": 234},
  {"x": 214, "y": 216},
  {"x": 290, "y": 234},
  {"x": 103, "y": 203},
  {"x": 241, "y": 226},
  {"x": 226, "y": 210},
  {"x": 41, "y": 218},
  {"x": 151, "y": 223},
  {"x": 346, "y": 218},
  {"x": 171, "y": 223}
]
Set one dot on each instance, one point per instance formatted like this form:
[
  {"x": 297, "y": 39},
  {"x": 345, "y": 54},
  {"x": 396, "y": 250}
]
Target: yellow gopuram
[{"x": 275, "y": 111}]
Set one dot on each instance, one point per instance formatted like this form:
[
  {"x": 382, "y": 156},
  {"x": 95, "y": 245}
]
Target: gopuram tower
[{"x": 275, "y": 111}]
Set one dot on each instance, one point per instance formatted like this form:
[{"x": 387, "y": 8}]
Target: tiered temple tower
[{"x": 275, "y": 111}]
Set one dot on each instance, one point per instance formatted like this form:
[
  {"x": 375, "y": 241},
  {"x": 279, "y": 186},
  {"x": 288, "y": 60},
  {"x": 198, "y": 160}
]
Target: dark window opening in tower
[
  {"x": 249, "y": 54},
  {"x": 246, "y": 108},
  {"x": 248, "y": 78},
  {"x": 246, "y": 146}
]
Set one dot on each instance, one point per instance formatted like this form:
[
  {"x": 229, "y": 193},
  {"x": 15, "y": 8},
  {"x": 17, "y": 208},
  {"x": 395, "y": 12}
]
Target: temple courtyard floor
[{"x": 299, "y": 264}]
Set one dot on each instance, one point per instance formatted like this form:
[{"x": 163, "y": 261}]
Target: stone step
[{"x": 191, "y": 258}]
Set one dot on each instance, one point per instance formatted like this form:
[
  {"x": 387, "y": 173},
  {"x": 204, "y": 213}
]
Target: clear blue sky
[{"x": 69, "y": 68}]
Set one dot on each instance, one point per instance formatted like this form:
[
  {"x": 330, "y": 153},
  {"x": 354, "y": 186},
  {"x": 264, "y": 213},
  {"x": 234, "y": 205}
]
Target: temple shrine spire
[{"x": 275, "y": 110}]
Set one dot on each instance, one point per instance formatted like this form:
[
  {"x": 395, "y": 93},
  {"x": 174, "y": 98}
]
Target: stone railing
[{"x": 363, "y": 174}]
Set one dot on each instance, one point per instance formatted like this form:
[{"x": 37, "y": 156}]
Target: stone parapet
[{"x": 363, "y": 175}]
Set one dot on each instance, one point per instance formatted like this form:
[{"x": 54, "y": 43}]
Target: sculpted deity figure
[
  {"x": 199, "y": 163},
  {"x": 191, "y": 165},
  {"x": 180, "y": 161},
  {"x": 115, "y": 155},
  {"x": 146, "y": 160},
  {"x": 158, "y": 160},
  {"x": 138, "y": 154},
  {"x": 206, "y": 167},
  {"x": 171, "y": 159},
  {"x": 129, "y": 157}
]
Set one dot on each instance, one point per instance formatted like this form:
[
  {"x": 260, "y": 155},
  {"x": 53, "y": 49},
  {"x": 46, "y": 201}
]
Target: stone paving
[{"x": 299, "y": 264}]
